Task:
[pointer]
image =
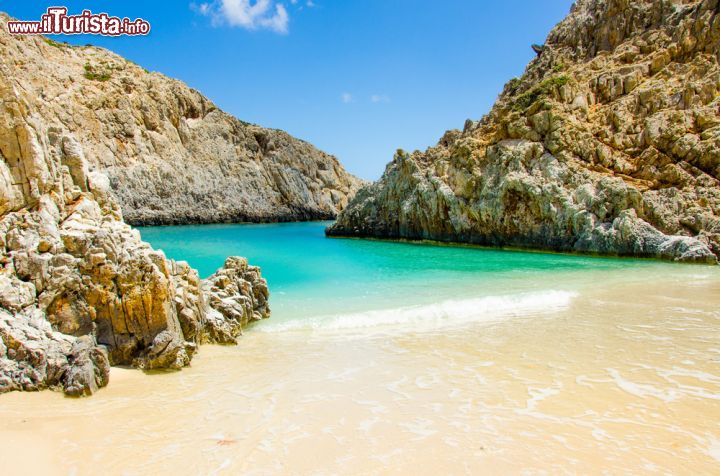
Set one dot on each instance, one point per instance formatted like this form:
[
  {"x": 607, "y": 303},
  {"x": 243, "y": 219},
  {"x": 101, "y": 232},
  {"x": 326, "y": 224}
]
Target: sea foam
[{"x": 485, "y": 309}]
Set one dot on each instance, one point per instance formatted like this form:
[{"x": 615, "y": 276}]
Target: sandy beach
[{"x": 619, "y": 380}]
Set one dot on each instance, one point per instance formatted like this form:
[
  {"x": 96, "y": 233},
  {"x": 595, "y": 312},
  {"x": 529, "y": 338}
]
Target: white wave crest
[{"x": 427, "y": 317}]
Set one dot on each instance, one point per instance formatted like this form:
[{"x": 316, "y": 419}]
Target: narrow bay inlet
[{"x": 184, "y": 291}]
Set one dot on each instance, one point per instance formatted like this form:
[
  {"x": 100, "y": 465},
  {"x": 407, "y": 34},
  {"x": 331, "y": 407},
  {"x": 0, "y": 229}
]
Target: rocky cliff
[
  {"x": 79, "y": 289},
  {"x": 171, "y": 155},
  {"x": 609, "y": 143}
]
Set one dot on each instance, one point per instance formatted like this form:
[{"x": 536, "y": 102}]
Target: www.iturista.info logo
[{"x": 57, "y": 22}]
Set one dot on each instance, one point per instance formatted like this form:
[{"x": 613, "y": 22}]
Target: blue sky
[{"x": 358, "y": 79}]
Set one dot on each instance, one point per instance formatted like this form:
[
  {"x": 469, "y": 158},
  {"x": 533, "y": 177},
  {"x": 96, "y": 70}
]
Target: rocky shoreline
[
  {"x": 609, "y": 144},
  {"x": 297, "y": 214},
  {"x": 79, "y": 289}
]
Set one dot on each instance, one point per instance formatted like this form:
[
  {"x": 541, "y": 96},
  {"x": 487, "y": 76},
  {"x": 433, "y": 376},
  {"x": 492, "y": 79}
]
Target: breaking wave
[{"x": 431, "y": 316}]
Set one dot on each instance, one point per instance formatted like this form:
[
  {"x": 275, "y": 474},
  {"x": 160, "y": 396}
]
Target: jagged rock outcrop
[
  {"x": 609, "y": 143},
  {"x": 79, "y": 289},
  {"x": 237, "y": 296},
  {"x": 171, "y": 155}
]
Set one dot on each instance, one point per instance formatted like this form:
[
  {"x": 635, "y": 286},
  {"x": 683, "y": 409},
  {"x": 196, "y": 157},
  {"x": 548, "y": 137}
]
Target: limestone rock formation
[
  {"x": 171, "y": 155},
  {"x": 609, "y": 143},
  {"x": 237, "y": 296},
  {"x": 79, "y": 289}
]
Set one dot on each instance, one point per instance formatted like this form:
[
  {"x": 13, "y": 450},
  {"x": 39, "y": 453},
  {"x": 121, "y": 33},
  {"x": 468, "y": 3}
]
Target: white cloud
[
  {"x": 376, "y": 98},
  {"x": 248, "y": 14},
  {"x": 347, "y": 98},
  {"x": 310, "y": 3}
]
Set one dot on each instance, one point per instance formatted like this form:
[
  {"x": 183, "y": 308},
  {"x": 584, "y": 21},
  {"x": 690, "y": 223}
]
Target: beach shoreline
[{"x": 632, "y": 383}]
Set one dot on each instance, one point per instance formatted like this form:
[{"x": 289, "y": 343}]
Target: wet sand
[{"x": 622, "y": 379}]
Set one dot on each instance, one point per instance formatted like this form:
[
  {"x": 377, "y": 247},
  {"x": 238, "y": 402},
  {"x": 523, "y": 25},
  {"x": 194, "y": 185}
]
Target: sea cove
[
  {"x": 409, "y": 358},
  {"x": 345, "y": 238},
  {"x": 313, "y": 277}
]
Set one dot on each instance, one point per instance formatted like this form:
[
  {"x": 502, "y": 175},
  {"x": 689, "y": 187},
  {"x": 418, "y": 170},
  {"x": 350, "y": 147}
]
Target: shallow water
[
  {"x": 410, "y": 359},
  {"x": 314, "y": 279}
]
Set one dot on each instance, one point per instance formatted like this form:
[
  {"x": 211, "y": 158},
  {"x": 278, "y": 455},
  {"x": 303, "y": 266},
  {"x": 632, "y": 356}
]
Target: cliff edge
[
  {"x": 609, "y": 143},
  {"x": 172, "y": 156}
]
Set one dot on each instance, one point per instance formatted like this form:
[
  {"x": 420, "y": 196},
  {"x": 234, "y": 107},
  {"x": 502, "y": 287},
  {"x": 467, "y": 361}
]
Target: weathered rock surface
[
  {"x": 237, "y": 296},
  {"x": 171, "y": 155},
  {"x": 79, "y": 290},
  {"x": 609, "y": 143}
]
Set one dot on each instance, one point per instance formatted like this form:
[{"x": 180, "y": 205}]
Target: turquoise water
[{"x": 310, "y": 275}]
